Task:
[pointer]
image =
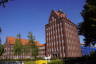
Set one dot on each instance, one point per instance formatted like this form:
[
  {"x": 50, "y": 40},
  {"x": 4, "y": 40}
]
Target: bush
[
  {"x": 39, "y": 58},
  {"x": 56, "y": 62},
  {"x": 29, "y": 62}
]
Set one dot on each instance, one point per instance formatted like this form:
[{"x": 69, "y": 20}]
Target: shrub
[
  {"x": 29, "y": 62},
  {"x": 56, "y": 62}
]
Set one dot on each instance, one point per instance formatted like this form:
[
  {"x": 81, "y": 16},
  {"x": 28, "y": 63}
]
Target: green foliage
[
  {"x": 2, "y": 2},
  {"x": 1, "y": 46},
  {"x": 1, "y": 49},
  {"x": 39, "y": 58},
  {"x": 18, "y": 47},
  {"x": 87, "y": 28},
  {"x": 29, "y": 62},
  {"x": 31, "y": 38},
  {"x": 26, "y": 49},
  {"x": 34, "y": 48},
  {"x": 56, "y": 62},
  {"x": 93, "y": 54},
  {"x": 34, "y": 51}
]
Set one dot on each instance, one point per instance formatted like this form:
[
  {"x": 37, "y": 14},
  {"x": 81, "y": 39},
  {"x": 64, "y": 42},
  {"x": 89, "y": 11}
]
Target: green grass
[
  {"x": 57, "y": 61},
  {"x": 29, "y": 62}
]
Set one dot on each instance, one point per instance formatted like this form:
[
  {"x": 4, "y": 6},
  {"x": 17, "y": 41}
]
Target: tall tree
[
  {"x": 18, "y": 47},
  {"x": 87, "y": 28},
  {"x": 34, "y": 47},
  {"x": 1, "y": 46}
]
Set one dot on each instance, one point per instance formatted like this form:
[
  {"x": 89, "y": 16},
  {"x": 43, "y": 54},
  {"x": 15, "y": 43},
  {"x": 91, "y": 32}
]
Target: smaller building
[{"x": 10, "y": 42}]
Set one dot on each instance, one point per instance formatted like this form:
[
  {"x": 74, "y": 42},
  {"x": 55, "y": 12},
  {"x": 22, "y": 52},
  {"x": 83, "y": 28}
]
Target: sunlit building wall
[{"x": 62, "y": 38}]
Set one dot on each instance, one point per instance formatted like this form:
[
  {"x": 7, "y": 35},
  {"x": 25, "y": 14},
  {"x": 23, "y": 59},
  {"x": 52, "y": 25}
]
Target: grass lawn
[{"x": 29, "y": 62}]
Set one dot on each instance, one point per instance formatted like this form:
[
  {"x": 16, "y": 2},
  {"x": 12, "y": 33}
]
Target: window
[
  {"x": 55, "y": 26},
  {"x": 51, "y": 27},
  {"x": 60, "y": 48},
  {"x": 58, "y": 25},
  {"x": 52, "y": 49},
  {"x": 57, "y": 49},
  {"x": 55, "y": 19},
  {"x": 56, "y": 31},
  {"x": 47, "y": 29},
  {"x": 61, "y": 24},
  {"x": 54, "y": 37},
  {"x": 62, "y": 35},
  {"x": 57, "y": 42},
  {"x": 51, "y": 32},
  {"x": 48, "y": 33},
  {"x": 52, "y": 44},
  {"x": 65, "y": 23},
  {"x": 63, "y": 48},
  {"x": 62, "y": 41},
  {"x": 61, "y": 29}
]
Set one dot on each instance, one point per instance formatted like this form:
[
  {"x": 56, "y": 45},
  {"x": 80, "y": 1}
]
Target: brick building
[
  {"x": 62, "y": 38},
  {"x": 8, "y": 46}
]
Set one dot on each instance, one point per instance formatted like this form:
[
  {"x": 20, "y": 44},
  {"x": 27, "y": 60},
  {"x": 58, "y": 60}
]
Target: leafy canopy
[
  {"x": 34, "y": 48},
  {"x": 1, "y": 49},
  {"x": 87, "y": 28},
  {"x": 18, "y": 47}
]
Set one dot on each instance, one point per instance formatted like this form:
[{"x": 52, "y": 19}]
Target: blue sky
[{"x": 23, "y": 16}]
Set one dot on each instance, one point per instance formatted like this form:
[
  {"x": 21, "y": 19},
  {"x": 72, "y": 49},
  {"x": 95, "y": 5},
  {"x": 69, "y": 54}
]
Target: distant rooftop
[{"x": 11, "y": 40}]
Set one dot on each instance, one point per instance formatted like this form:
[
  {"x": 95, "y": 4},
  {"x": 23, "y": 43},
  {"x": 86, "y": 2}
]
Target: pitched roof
[{"x": 11, "y": 40}]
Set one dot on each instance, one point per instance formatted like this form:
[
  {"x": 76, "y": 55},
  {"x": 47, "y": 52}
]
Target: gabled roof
[{"x": 11, "y": 41}]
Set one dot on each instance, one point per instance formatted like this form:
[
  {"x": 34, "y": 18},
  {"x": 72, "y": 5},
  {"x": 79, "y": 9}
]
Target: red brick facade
[{"x": 62, "y": 38}]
